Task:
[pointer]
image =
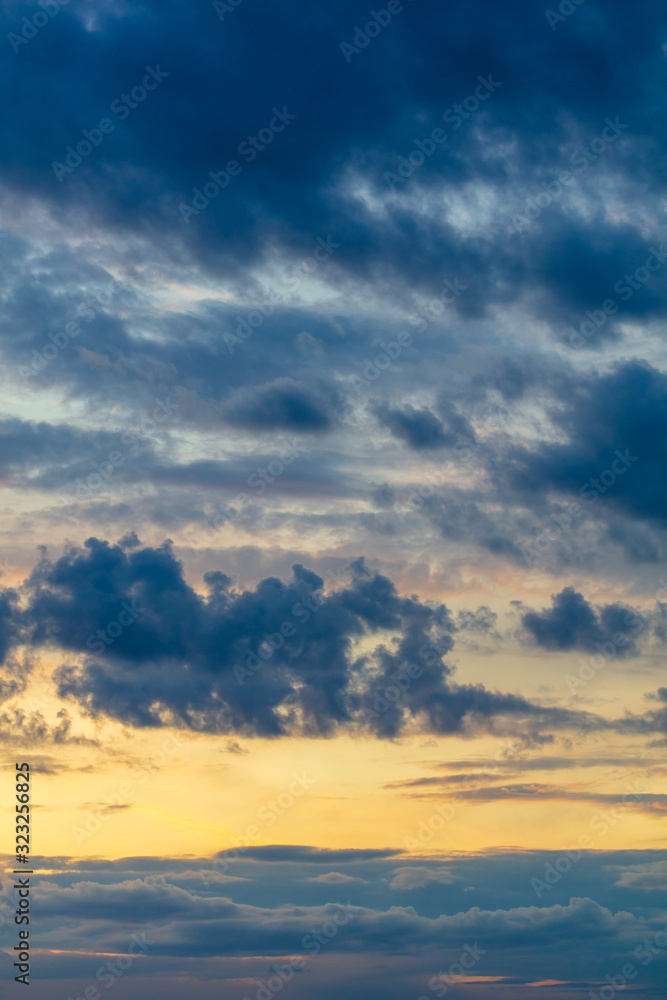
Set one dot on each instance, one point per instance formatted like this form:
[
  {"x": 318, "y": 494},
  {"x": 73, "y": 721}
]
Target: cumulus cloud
[
  {"x": 573, "y": 623},
  {"x": 279, "y": 659}
]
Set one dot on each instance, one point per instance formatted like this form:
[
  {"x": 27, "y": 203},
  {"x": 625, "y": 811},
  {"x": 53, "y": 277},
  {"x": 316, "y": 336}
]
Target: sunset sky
[{"x": 333, "y": 540}]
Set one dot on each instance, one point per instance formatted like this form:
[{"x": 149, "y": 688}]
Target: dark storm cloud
[
  {"x": 176, "y": 635},
  {"x": 418, "y": 428},
  {"x": 422, "y": 430},
  {"x": 615, "y": 454},
  {"x": 275, "y": 660},
  {"x": 284, "y": 405},
  {"x": 285, "y": 194},
  {"x": 573, "y": 623}
]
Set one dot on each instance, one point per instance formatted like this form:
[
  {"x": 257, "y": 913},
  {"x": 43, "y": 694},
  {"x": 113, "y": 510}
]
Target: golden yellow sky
[{"x": 190, "y": 795}]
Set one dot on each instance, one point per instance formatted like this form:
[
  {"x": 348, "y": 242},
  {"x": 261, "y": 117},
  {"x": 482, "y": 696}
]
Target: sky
[{"x": 333, "y": 547}]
